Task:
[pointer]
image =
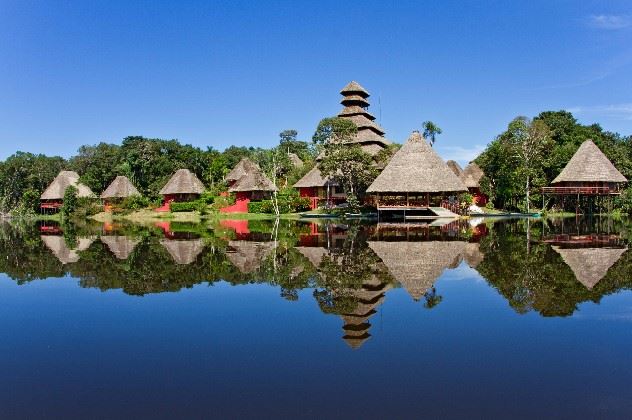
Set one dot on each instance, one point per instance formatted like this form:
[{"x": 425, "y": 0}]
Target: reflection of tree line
[{"x": 350, "y": 268}]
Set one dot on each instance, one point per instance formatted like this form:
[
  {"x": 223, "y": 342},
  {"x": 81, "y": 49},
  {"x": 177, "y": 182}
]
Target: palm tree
[{"x": 431, "y": 130}]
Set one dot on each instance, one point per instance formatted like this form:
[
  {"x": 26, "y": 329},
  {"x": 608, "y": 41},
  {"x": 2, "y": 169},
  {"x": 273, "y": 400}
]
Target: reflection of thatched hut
[
  {"x": 247, "y": 256},
  {"x": 314, "y": 254},
  {"x": 118, "y": 189},
  {"x": 370, "y": 138},
  {"x": 183, "y": 251},
  {"x": 61, "y": 250},
  {"x": 121, "y": 246},
  {"x": 413, "y": 174},
  {"x": 455, "y": 167},
  {"x": 472, "y": 254},
  {"x": 53, "y": 195},
  {"x": 182, "y": 186},
  {"x": 471, "y": 177},
  {"x": 590, "y": 265},
  {"x": 417, "y": 265}
]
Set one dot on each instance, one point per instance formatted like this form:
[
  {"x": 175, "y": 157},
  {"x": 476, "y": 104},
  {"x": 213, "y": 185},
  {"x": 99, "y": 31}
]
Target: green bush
[
  {"x": 207, "y": 197},
  {"x": 135, "y": 202},
  {"x": 287, "y": 204},
  {"x": 197, "y": 205},
  {"x": 70, "y": 201}
]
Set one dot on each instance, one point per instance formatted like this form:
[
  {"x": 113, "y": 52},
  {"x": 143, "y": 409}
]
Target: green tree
[
  {"x": 431, "y": 131},
  {"x": 70, "y": 202}
]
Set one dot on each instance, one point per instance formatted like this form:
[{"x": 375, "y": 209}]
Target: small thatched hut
[
  {"x": 589, "y": 172},
  {"x": 590, "y": 265},
  {"x": 183, "y": 186},
  {"x": 61, "y": 250},
  {"x": 418, "y": 265},
  {"x": 295, "y": 160},
  {"x": 183, "y": 251},
  {"x": 415, "y": 178},
  {"x": 120, "y": 188},
  {"x": 53, "y": 196},
  {"x": 370, "y": 137},
  {"x": 471, "y": 177},
  {"x": 456, "y": 168},
  {"x": 248, "y": 182},
  {"x": 119, "y": 245}
]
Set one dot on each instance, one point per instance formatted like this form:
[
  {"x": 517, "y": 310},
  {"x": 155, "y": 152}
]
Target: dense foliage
[{"x": 531, "y": 153}]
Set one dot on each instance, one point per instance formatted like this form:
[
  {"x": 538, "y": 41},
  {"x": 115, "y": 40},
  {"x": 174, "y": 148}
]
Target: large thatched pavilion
[
  {"x": 416, "y": 182},
  {"x": 248, "y": 182},
  {"x": 456, "y": 168},
  {"x": 119, "y": 189},
  {"x": 53, "y": 196},
  {"x": 320, "y": 189},
  {"x": 588, "y": 173},
  {"x": 182, "y": 186}
]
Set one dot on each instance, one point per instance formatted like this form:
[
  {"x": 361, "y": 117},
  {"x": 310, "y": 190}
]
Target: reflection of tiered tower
[{"x": 356, "y": 323}]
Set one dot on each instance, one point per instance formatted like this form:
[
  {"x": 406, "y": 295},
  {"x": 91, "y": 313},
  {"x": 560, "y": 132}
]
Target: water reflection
[{"x": 549, "y": 267}]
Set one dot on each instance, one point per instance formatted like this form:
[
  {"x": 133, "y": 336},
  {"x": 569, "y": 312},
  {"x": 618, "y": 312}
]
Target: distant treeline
[{"x": 148, "y": 163}]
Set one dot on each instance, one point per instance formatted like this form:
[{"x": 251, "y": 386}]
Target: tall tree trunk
[{"x": 528, "y": 190}]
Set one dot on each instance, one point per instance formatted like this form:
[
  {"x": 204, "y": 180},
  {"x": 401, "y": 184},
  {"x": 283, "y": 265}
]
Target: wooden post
[{"x": 427, "y": 199}]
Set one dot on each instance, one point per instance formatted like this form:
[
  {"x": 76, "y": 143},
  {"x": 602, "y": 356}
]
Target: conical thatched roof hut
[
  {"x": 589, "y": 164},
  {"x": 416, "y": 168},
  {"x": 247, "y": 256},
  {"x": 247, "y": 176},
  {"x": 455, "y": 167},
  {"x": 183, "y": 182},
  {"x": 590, "y": 265},
  {"x": 65, "y": 254},
  {"x": 183, "y": 251},
  {"x": 314, "y": 178},
  {"x": 119, "y": 245},
  {"x": 296, "y": 161},
  {"x": 121, "y": 187},
  {"x": 418, "y": 265},
  {"x": 471, "y": 175},
  {"x": 57, "y": 188}
]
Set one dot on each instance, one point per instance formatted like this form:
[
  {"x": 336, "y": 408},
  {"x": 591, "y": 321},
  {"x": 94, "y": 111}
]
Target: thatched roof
[
  {"x": 355, "y": 110},
  {"x": 183, "y": 251},
  {"x": 247, "y": 256},
  {"x": 589, "y": 164},
  {"x": 119, "y": 245},
  {"x": 417, "y": 265},
  {"x": 590, "y": 265},
  {"x": 65, "y": 254},
  {"x": 314, "y": 254},
  {"x": 183, "y": 182},
  {"x": 57, "y": 188},
  {"x": 472, "y": 254},
  {"x": 416, "y": 167},
  {"x": 314, "y": 178},
  {"x": 247, "y": 176},
  {"x": 354, "y": 87},
  {"x": 296, "y": 161},
  {"x": 121, "y": 187},
  {"x": 472, "y": 175},
  {"x": 456, "y": 168}
]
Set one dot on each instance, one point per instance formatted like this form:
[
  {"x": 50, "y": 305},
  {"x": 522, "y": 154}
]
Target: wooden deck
[{"x": 580, "y": 191}]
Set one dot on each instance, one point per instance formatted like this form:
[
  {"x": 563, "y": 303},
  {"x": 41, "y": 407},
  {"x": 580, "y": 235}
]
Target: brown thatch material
[
  {"x": 416, "y": 167},
  {"x": 472, "y": 175},
  {"x": 590, "y": 265},
  {"x": 355, "y": 110},
  {"x": 418, "y": 265},
  {"x": 66, "y": 255},
  {"x": 314, "y": 254},
  {"x": 121, "y": 187},
  {"x": 314, "y": 178},
  {"x": 250, "y": 178},
  {"x": 183, "y": 251},
  {"x": 183, "y": 182},
  {"x": 363, "y": 122},
  {"x": 455, "y": 167},
  {"x": 296, "y": 161},
  {"x": 589, "y": 164},
  {"x": 354, "y": 87},
  {"x": 472, "y": 254},
  {"x": 57, "y": 188},
  {"x": 119, "y": 245},
  {"x": 247, "y": 256}
]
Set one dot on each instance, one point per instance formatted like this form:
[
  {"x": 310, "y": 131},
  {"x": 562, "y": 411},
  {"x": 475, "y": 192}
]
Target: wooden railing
[{"x": 580, "y": 190}]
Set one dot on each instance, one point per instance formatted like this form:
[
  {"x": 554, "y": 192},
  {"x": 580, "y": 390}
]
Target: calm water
[{"x": 256, "y": 319}]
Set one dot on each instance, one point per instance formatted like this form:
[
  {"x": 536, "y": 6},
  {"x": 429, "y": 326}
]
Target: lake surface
[{"x": 511, "y": 319}]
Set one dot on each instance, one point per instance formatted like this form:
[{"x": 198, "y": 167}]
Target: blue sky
[{"x": 238, "y": 72}]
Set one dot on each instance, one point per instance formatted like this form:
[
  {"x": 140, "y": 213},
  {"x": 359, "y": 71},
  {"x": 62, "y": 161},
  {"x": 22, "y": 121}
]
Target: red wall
[{"x": 241, "y": 204}]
